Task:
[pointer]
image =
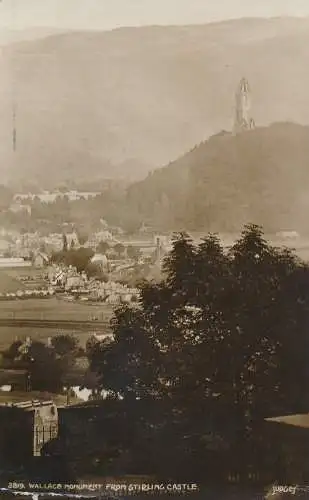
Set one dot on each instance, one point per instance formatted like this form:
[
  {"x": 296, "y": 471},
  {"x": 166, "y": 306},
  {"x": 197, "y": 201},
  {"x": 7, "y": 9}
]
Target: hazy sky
[{"x": 107, "y": 14}]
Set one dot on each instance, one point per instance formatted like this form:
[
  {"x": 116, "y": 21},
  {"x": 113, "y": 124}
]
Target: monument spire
[{"x": 243, "y": 119}]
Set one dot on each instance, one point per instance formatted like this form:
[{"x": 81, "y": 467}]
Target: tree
[
  {"x": 45, "y": 371},
  {"x": 65, "y": 345},
  {"x": 13, "y": 351},
  {"x": 79, "y": 258},
  {"x": 82, "y": 238},
  {"x": 95, "y": 270},
  {"x": 103, "y": 247},
  {"x": 47, "y": 365},
  {"x": 133, "y": 252},
  {"x": 91, "y": 344},
  {"x": 66, "y": 348},
  {"x": 58, "y": 257},
  {"x": 119, "y": 249},
  {"x": 179, "y": 268},
  {"x": 65, "y": 243}
]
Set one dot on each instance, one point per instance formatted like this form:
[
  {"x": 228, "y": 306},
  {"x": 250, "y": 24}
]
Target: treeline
[{"x": 51, "y": 217}]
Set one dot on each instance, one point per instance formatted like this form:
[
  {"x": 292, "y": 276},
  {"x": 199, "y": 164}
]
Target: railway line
[{"x": 94, "y": 325}]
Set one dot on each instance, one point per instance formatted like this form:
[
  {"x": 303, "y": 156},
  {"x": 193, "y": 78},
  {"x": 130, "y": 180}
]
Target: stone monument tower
[{"x": 243, "y": 119}]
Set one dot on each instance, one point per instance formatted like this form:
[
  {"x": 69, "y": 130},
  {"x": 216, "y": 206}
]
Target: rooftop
[{"x": 30, "y": 405}]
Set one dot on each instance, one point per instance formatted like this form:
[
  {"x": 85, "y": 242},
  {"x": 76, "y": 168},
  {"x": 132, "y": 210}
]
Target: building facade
[{"x": 25, "y": 428}]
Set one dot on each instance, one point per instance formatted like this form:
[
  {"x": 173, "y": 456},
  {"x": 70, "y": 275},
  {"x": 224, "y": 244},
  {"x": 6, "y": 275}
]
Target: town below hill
[
  {"x": 94, "y": 268},
  {"x": 147, "y": 402},
  {"x": 218, "y": 186}
]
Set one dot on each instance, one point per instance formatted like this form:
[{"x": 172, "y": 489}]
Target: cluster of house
[
  {"x": 28, "y": 294},
  {"x": 76, "y": 284},
  {"x": 25, "y": 244},
  {"x": 52, "y": 196},
  {"x": 29, "y": 243},
  {"x": 113, "y": 293},
  {"x": 65, "y": 278}
]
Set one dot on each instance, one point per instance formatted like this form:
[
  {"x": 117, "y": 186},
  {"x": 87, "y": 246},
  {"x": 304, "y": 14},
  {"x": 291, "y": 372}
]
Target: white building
[{"x": 11, "y": 262}]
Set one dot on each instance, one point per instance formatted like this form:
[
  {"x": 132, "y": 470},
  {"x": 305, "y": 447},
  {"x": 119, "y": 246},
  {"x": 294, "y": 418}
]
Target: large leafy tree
[
  {"x": 47, "y": 365},
  {"x": 45, "y": 373},
  {"x": 212, "y": 350},
  {"x": 133, "y": 252},
  {"x": 103, "y": 247},
  {"x": 119, "y": 249},
  {"x": 79, "y": 258}
]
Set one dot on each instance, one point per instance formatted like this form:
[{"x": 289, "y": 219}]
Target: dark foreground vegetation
[
  {"x": 211, "y": 352},
  {"x": 197, "y": 368}
]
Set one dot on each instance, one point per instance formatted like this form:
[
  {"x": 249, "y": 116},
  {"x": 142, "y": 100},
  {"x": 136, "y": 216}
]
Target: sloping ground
[
  {"x": 227, "y": 181},
  {"x": 98, "y": 104}
]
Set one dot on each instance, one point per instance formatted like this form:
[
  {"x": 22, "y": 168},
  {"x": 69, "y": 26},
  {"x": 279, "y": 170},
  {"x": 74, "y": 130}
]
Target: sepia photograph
[{"x": 154, "y": 249}]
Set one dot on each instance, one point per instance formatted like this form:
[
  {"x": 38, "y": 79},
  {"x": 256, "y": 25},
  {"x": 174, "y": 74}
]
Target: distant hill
[
  {"x": 260, "y": 176},
  {"x": 96, "y": 104},
  {"x": 8, "y": 35}
]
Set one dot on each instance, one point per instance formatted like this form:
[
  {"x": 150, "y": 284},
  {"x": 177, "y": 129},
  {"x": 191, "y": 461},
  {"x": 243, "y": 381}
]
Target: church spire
[{"x": 243, "y": 119}]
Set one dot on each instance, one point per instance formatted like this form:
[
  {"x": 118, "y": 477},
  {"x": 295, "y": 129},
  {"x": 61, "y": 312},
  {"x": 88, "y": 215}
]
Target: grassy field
[
  {"x": 11, "y": 279},
  {"x": 9, "y": 283},
  {"x": 54, "y": 308},
  {"x": 49, "y": 309},
  {"x": 20, "y": 272}
]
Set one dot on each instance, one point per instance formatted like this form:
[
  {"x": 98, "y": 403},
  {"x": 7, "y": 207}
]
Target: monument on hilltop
[{"x": 243, "y": 119}]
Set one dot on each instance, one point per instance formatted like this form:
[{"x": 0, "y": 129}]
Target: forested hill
[{"x": 260, "y": 176}]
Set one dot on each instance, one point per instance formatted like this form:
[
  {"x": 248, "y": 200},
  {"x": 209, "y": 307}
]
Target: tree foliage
[
  {"x": 119, "y": 249},
  {"x": 65, "y": 345},
  {"x": 82, "y": 237},
  {"x": 103, "y": 247},
  {"x": 96, "y": 270},
  {"x": 133, "y": 252},
  {"x": 47, "y": 365},
  {"x": 215, "y": 348},
  {"x": 65, "y": 243},
  {"x": 79, "y": 258}
]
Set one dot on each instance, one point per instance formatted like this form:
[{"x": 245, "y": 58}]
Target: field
[
  {"x": 54, "y": 308},
  {"x": 9, "y": 283},
  {"x": 11, "y": 279},
  {"x": 49, "y": 309}
]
